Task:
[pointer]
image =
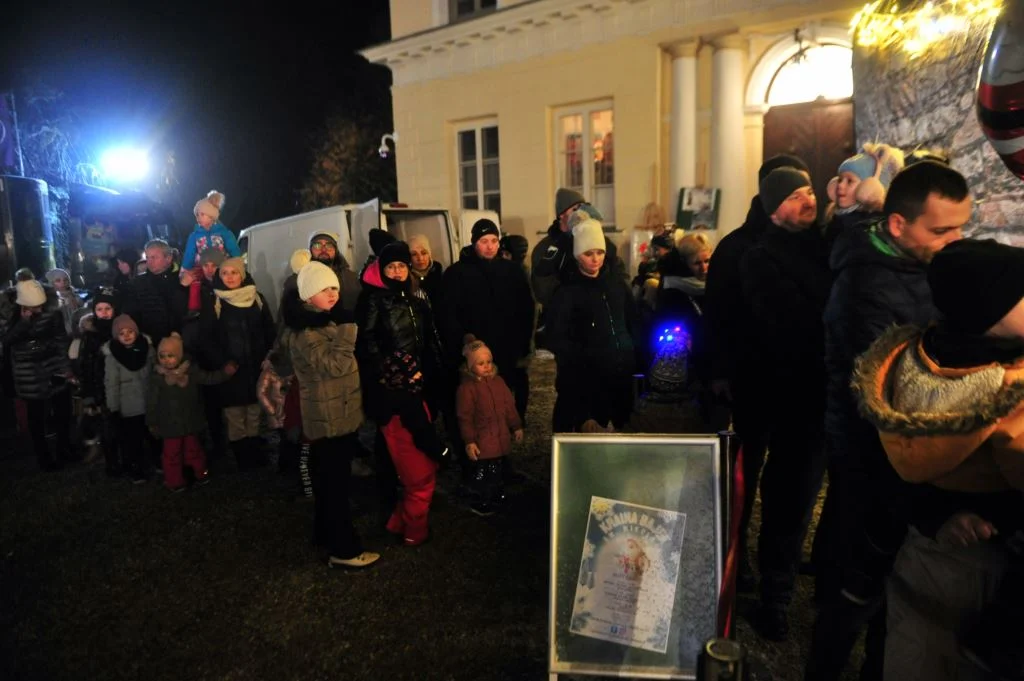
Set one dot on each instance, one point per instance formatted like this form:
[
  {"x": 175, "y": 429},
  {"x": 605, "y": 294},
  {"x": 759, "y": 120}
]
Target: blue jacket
[{"x": 218, "y": 237}]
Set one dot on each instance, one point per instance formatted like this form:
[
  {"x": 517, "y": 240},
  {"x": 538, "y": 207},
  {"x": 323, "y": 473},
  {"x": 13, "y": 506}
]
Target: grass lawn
[{"x": 103, "y": 580}]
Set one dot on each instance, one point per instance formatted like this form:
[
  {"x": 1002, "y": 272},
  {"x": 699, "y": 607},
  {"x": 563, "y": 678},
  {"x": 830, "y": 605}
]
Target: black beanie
[
  {"x": 975, "y": 283},
  {"x": 781, "y": 161},
  {"x": 779, "y": 184},
  {"x": 396, "y": 251},
  {"x": 379, "y": 239},
  {"x": 105, "y": 295},
  {"x": 483, "y": 227}
]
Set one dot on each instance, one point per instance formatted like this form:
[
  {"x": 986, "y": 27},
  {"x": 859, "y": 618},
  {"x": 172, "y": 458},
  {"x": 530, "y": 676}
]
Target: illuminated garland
[{"x": 917, "y": 27}]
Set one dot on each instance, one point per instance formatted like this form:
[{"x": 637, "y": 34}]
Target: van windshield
[{"x": 431, "y": 224}]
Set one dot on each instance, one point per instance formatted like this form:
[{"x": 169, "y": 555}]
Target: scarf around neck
[
  {"x": 243, "y": 296},
  {"x": 132, "y": 357},
  {"x": 176, "y": 376}
]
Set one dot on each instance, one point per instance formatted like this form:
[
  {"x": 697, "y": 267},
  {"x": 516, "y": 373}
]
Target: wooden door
[{"x": 819, "y": 132}]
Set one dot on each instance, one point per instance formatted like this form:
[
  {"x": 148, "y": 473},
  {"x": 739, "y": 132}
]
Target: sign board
[
  {"x": 636, "y": 553},
  {"x": 698, "y": 208}
]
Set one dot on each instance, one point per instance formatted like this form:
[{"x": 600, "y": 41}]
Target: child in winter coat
[
  {"x": 174, "y": 412},
  {"x": 128, "y": 358},
  {"x": 323, "y": 356},
  {"x": 87, "y": 365},
  {"x": 209, "y": 233},
  {"x": 487, "y": 414}
]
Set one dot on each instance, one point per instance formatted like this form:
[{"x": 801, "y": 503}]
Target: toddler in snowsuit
[
  {"x": 209, "y": 233},
  {"x": 488, "y": 423},
  {"x": 174, "y": 410}
]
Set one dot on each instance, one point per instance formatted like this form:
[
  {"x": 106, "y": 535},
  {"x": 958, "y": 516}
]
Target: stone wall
[{"x": 929, "y": 102}]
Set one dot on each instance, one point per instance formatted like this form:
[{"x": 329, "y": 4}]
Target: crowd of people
[{"x": 877, "y": 346}]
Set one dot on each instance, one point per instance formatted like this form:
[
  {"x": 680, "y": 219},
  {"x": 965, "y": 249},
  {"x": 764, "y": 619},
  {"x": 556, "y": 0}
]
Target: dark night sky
[{"x": 236, "y": 92}]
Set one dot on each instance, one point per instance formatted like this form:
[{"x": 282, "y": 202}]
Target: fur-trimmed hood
[{"x": 957, "y": 428}]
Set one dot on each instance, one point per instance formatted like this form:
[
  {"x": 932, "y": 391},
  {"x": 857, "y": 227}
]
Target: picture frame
[
  {"x": 697, "y": 209},
  {"x": 637, "y": 553}
]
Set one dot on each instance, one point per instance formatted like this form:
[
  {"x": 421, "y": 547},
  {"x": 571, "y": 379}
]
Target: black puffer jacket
[
  {"x": 38, "y": 348},
  {"x": 591, "y": 327},
  {"x": 90, "y": 368},
  {"x": 490, "y": 299},
  {"x": 872, "y": 291},
  {"x": 157, "y": 302},
  {"x": 786, "y": 284},
  {"x": 393, "y": 320},
  {"x": 729, "y": 326}
]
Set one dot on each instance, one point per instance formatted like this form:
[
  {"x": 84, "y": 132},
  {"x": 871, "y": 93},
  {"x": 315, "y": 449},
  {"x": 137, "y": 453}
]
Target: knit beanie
[
  {"x": 778, "y": 185},
  {"x": 471, "y": 344},
  {"x": 236, "y": 263},
  {"x": 976, "y": 283},
  {"x": 124, "y": 322},
  {"x": 212, "y": 255},
  {"x": 584, "y": 211},
  {"x": 663, "y": 240},
  {"x": 587, "y": 236},
  {"x": 299, "y": 259},
  {"x": 781, "y": 161},
  {"x": 482, "y": 228},
  {"x": 566, "y": 199},
  {"x": 104, "y": 295},
  {"x": 172, "y": 344},
  {"x": 865, "y": 164},
  {"x": 397, "y": 251},
  {"x": 379, "y": 239},
  {"x": 57, "y": 273},
  {"x": 30, "y": 294},
  {"x": 328, "y": 235},
  {"x": 517, "y": 245},
  {"x": 314, "y": 277},
  {"x": 420, "y": 240},
  {"x": 210, "y": 205}
]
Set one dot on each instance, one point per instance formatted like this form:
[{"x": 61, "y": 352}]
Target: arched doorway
[{"x": 804, "y": 89}]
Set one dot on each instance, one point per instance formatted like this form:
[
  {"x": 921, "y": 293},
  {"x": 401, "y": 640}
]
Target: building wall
[
  {"x": 929, "y": 102},
  {"x": 523, "y": 96},
  {"x": 411, "y": 16}
]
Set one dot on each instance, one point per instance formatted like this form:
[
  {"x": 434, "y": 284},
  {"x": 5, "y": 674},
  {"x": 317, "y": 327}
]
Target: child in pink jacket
[{"x": 488, "y": 422}]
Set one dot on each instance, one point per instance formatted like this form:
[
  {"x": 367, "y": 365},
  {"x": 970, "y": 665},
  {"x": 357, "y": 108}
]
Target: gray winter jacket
[{"x": 126, "y": 390}]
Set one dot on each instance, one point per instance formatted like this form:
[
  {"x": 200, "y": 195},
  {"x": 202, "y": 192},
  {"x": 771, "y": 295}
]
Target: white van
[{"x": 268, "y": 246}]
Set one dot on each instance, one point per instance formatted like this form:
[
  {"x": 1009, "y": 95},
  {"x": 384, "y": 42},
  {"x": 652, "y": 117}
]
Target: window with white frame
[
  {"x": 584, "y": 153},
  {"x": 479, "y": 172},
  {"x": 467, "y": 9}
]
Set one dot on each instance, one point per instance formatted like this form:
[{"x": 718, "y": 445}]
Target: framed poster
[
  {"x": 636, "y": 553},
  {"x": 698, "y": 208}
]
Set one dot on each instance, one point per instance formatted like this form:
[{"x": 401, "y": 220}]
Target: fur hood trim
[{"x": 874, "y": 376}]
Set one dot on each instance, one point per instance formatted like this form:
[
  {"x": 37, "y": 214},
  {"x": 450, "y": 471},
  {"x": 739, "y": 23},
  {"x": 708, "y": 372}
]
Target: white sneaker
[{"x": 364, "y": 559}]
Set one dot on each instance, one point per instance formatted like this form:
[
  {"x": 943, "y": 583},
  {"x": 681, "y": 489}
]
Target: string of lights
[{"x": 918, "y": 27}]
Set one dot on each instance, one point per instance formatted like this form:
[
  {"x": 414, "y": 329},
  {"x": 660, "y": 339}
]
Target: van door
[
  {"x": 435, "y": 225},
  {"x": 468, "y": 218},
  {"x": 364, "y": 217}
]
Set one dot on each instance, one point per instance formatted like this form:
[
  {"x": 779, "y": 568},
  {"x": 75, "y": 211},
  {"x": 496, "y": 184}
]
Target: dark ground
[{"x": 103, "y": 580}]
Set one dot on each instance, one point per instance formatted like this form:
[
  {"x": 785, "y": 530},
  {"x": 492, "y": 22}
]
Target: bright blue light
[
  {"x": 124, "y": 164},
  {"x": 668, "y": 338}
]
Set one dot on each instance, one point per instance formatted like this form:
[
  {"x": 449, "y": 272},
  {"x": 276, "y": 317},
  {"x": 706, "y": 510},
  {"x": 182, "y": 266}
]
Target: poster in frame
[
  {"x": 636, "y": 553},
  {"x": 697, "y": 209}
]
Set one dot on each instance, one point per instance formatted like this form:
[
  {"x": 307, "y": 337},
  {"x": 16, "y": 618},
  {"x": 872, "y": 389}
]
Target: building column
[
  {"x": 683, "y": 149},
  {"x": 728, "y": 142}
]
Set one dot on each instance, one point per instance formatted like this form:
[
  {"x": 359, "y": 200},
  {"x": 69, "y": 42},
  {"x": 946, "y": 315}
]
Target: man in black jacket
[
  {"x": 730, "y": 334},
  {"x": 156, "y": 300},
  {"x": 786, "y": 282},
  {"x": 880, "y": 280}
]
